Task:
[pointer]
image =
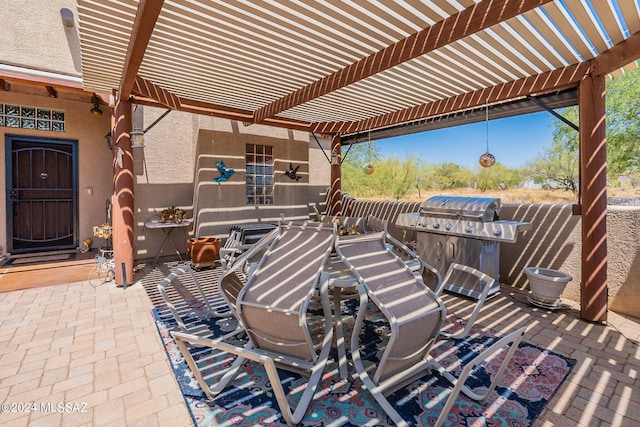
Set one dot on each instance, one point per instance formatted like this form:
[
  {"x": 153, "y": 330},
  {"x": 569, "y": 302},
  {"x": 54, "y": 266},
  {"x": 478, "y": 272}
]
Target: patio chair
[
  {"x": 415, "y": 315},
  {"x": 410, "y": 257},
  {"x": 193, "y": 306},
  {"x": 271, "y": 309},
  {"x": 413, "y": 261},
  {"x": 371, "y": 224},
  {"x": 230, "y": 250},
  {"x": 484, "y": 282}
]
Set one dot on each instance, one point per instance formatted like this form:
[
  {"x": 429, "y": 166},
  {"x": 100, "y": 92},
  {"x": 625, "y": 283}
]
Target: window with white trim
[{"x": 259, "y": 161}]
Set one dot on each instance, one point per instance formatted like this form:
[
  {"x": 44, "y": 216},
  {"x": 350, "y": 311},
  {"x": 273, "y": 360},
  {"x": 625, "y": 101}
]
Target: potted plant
[
  {"x": 102, "y": 231},
  {"x": 171, "y": 214}
]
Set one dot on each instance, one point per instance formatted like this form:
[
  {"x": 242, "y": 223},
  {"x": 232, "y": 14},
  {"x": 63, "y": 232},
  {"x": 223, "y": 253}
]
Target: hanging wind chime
[
  {"x": 487, "y": 159},
  {"x": 369, "y": 169}
]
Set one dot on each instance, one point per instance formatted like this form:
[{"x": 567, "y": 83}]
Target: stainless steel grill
[{"x": 464, "y": 230}]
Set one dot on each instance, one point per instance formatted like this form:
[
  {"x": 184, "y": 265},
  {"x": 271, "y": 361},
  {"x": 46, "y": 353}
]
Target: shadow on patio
[{"x": 99, "y": 349}]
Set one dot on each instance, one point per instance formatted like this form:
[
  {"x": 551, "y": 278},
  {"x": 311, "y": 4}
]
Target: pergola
[{"x": 339, "y": 68}]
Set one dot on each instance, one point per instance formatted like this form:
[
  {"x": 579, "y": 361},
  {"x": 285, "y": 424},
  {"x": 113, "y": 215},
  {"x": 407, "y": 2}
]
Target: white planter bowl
[{"x": 546, "y": 286}]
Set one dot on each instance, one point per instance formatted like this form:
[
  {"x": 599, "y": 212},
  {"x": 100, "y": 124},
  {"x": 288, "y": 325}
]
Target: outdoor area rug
[{"x": 531, "y": 379}]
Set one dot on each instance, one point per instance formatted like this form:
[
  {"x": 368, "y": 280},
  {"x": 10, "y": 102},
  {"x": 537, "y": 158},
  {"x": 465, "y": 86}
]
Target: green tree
[
  {"x": 354, "y": 180},
  {"x": 497, "y": 177},
  {"x": 399, "y": 176},
  {"x": 556, "y": 168},
  {"x": 623, "y": 124},
  {"x": 623, "y": 128},
  {"x": 449, "y": 175}
]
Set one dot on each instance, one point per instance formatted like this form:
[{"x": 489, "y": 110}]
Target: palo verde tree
[
  {"x": 623, "y": 125},
  {"x": 557, "y": 166}
]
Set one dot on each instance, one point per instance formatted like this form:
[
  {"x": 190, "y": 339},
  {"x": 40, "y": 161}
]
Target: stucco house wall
[
  {"x": 34, "y": 37},
  {"x": 178, "y": 164},
  {"x": 95, "y": 173}
]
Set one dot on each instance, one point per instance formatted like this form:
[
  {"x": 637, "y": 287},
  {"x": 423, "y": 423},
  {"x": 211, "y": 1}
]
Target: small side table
[{"x": 167, "y": 227}]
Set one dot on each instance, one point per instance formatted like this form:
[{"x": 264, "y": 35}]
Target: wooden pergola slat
[{"x": 471, "y": 20}]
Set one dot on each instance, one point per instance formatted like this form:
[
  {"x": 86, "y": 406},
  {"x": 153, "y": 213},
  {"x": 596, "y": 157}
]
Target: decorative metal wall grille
[
  {"x": 259, "y": 160},
  {"x": 15, "y": 116}
]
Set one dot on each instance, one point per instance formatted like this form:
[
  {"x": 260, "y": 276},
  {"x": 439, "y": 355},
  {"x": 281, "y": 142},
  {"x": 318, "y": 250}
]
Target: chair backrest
[
  {"x": 376, "y": 225},
  {"x": 415, "y": 313},
  {"x": 234, "y": 272},
  {"x": 272, "y": 305}
]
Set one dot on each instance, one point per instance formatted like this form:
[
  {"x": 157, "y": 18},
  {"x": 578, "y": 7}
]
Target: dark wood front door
[{"x": 41, "y": 194}]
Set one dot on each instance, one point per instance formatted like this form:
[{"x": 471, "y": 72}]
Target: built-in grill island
[{"x": 464, "y": 230}]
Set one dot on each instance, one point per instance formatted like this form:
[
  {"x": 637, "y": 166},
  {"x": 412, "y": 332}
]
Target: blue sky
[{"x": 513, "y": 141}]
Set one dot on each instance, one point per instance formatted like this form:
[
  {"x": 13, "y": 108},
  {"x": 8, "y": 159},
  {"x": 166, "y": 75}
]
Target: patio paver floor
[{"x": 98, "y": 351}]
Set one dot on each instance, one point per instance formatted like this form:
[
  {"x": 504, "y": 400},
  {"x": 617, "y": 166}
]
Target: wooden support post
[
  {"x": 122, "y": 200},
  {"x": 335, "y": 192},
  {"x": 593, "y": 162}
]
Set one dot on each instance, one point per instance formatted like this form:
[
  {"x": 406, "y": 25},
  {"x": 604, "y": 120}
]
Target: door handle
[
  {"x": 439, "y": 250},
  {"x": 13, "y": 195}
]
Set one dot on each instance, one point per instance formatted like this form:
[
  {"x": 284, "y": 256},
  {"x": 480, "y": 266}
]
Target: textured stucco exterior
[
  {"x": 34, "y": 37},
  {"x": 555, "y": 242},
  {"x": 178, "y": 164},
  {"x": 95, "y": 172}
]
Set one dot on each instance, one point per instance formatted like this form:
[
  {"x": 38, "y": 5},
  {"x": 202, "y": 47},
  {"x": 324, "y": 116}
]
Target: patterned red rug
[{"x": 532, "y": 377}]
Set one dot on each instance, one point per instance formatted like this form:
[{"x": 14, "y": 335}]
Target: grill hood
[{"x": 482, "y": 209}]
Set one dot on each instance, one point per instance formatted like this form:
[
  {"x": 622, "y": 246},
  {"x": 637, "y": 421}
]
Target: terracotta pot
[{"x": 204, "y": 251}]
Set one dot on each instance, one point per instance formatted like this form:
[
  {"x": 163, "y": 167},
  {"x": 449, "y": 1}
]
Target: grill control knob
[
  {"x": 448, "y": 227},
  {"x": 424, "y": 224},
  {"x": 497, "y": 232},
  {"x": 436, "y": 225},
  {"x": 469, "y": 229}
]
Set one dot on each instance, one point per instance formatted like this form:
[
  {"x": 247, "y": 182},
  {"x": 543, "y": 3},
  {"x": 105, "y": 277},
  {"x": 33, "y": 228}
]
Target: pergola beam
[
  {"x": 146, "y": 18},
  {"x": 208, "y": 109},
  {"x": 471, "y": 20},
  {"x": 146, "y": 89},
  {"x": 617, "y": 57},
  {"x": 550, "y": 80}
]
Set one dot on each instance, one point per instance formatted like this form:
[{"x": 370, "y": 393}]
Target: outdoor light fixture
[
  {"x": 96, "y": 111},
  {"x": 137, "y": 138},
  {"x": 487, "y": 159},
  {"x": 335, "y": 157}
]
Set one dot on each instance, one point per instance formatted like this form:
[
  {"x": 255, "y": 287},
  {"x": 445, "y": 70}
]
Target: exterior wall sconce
[
  {"x": 137, "y": 138},
  {"x": 335, "y": 157},
  {"x": 96, "y": 111}
]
